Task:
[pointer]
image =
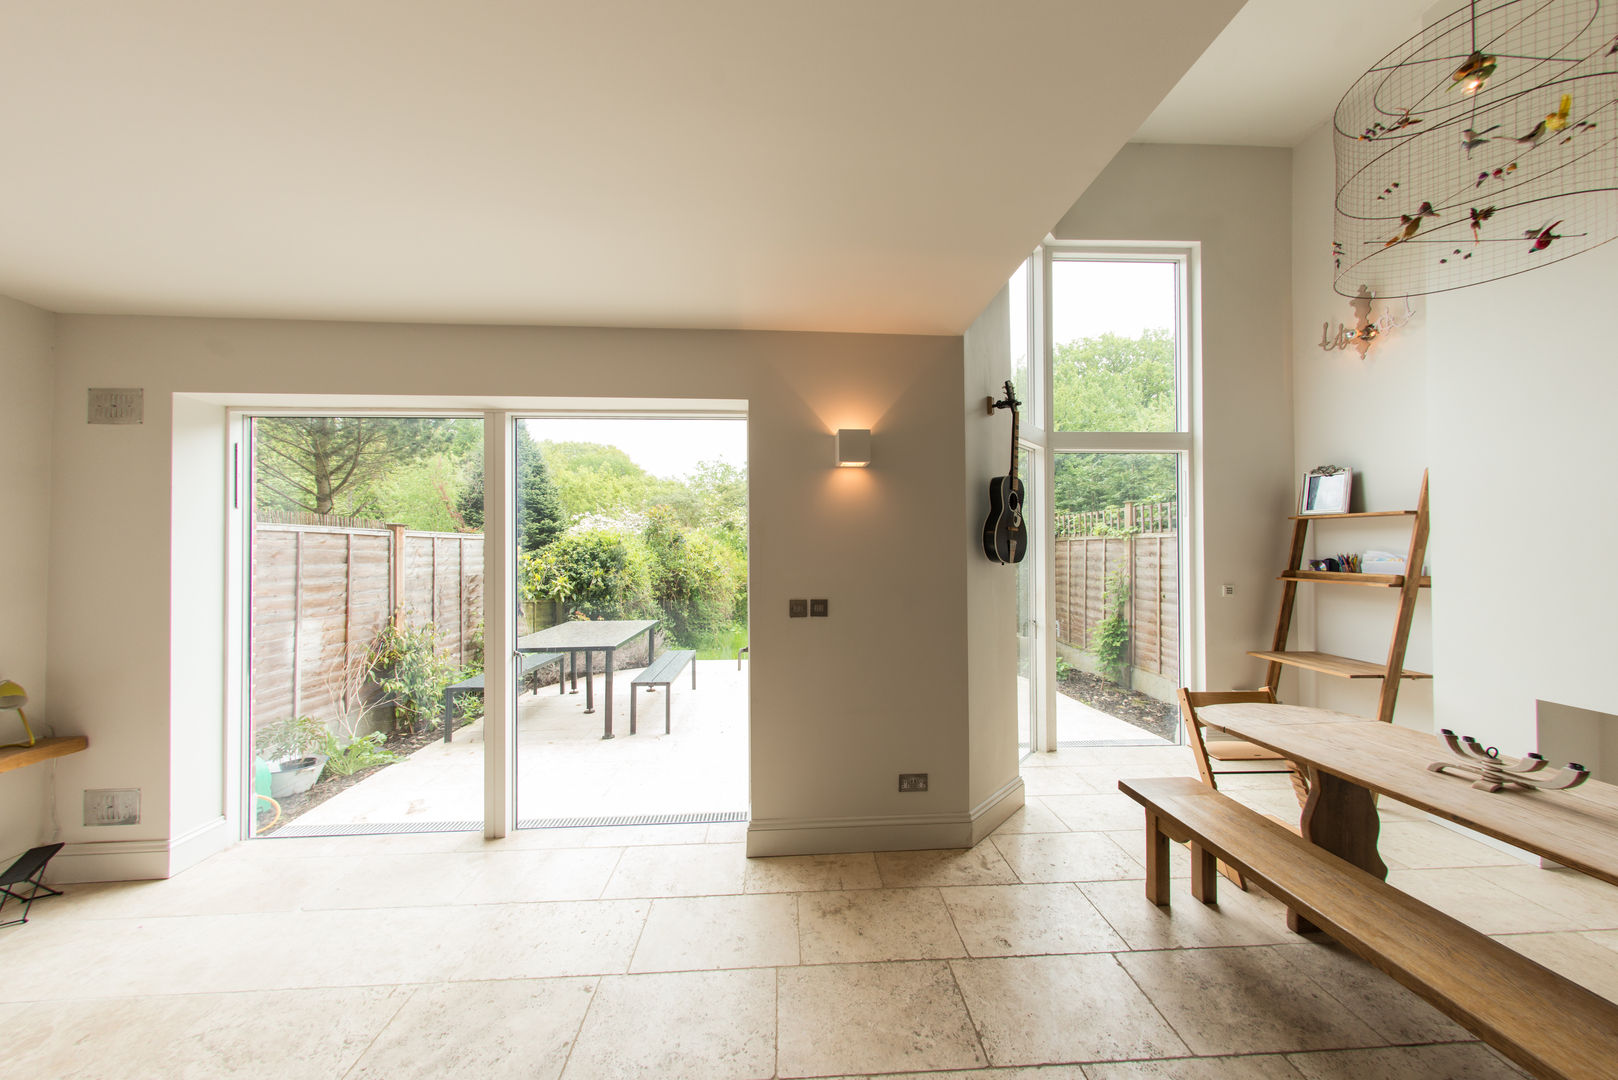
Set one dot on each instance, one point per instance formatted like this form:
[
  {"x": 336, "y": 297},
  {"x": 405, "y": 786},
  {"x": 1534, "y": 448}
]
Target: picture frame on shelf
[{"x": 1326, "y": 489}]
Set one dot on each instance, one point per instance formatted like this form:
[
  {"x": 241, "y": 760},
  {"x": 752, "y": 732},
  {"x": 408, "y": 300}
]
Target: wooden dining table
[{"x": 1350, "y": 759}]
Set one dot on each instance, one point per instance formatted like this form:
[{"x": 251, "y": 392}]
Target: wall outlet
[
  {"x": 817, "y": 609},
  {"x": 798, "y": 609},
  {"x": 116, "y": 406},
  {"x": 112, "y": 806},
  {"x": 1227, "y": 590},
  {"x": 912, "y": 781}
]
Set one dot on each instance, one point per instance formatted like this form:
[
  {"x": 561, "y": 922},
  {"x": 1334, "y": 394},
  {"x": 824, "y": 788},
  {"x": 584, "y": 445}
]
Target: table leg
[
  {"x": 1341, "y": 817},
  {"x": 573, "y": 670},
  {"x": 589, "y": 682},
  {"x": 607, "y": 691}
]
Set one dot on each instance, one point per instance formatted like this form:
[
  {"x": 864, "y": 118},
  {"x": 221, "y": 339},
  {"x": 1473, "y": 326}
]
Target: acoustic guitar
[{"x": 1005, "y": 533}]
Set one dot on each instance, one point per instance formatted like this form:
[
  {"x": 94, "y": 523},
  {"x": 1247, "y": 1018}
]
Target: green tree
[
  {"x": 601, "y": 573},
  {"x": 333, "y": 464},
  {"x": 602, "y": 481},
  {"x": 1112, "y": 383},
  {"x": 539, "y": 509}
]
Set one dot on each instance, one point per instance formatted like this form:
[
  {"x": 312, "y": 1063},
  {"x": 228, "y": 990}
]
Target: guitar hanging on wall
[{"x": 1005, "y": 533}]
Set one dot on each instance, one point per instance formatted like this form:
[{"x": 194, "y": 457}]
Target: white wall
[
  {"x": 839, "y": 706},
  {"x": 1235, "y": 202},
  {"x": 991, "y": 598},
  {"x": 1370, "y": 415},
  {"x": 26, "y": 371},
  {"x": 1505, "y": 390}
]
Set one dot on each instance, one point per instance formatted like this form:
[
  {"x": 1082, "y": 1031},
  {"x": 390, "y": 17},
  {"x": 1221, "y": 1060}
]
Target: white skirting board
[
  {"x": 138, "y": 860},
  {"x": 914, "y": 832}
]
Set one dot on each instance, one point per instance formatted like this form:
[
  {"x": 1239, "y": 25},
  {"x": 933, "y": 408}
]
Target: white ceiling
[
  {"x": 1279, "y": 69},
  {"x": 871, "y": 165}
]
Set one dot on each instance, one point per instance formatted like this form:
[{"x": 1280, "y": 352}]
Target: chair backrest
[{"x": 1192, "y": 700}]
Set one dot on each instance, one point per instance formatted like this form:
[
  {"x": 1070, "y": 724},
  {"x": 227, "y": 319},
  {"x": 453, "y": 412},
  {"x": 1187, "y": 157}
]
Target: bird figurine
[
  {"x": 1410, "y": 223},
  {"x": 1471, "y": 140},
  {"x": 1473, "y": 74},
  {"x": 1555, "y": 121},
  {"x": 1478, "y": 218},
  {"x": 1542, "y": 237}
]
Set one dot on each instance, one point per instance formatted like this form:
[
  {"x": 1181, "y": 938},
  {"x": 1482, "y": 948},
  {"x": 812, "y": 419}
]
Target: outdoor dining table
[
  {"x": 589, "y": 637},
  {"x": 1349, "y": 759}
]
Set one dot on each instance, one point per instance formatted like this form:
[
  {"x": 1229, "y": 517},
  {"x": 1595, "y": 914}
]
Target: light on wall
[
  {"x": 1366, "y": 329},
  {"x": 853, "y": 448}
]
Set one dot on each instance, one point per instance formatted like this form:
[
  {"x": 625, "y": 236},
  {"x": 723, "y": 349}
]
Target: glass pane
[
  {"x": 366, "y": 605},
  {"x": 631, "y": 562},
  {"x": 1113, "y": 345},
  {"x": 1117, "y": 559},
  {"x": 1027, "y": 612}
]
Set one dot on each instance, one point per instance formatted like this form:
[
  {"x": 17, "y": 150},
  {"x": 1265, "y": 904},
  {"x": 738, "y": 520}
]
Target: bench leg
[
  {"x": 1157, "y": 861},
  {"x": 668, "y": 708},
  {"x": 1204, "y": 874},
  {"x": 632, "y": 709},
  {"x": 449, "y": 715}
]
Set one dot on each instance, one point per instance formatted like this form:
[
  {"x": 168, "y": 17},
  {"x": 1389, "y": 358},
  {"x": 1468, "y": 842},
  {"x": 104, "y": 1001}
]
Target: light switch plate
[
  {"x": 817, "y": 609},
  {"x": 798, "y": 609}
]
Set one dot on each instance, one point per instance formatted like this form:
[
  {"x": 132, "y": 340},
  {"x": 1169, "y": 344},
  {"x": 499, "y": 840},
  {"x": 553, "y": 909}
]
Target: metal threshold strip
[{"x": 392, "y": 828}]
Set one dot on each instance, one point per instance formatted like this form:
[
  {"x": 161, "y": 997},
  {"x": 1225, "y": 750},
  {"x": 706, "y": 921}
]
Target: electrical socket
[
  {"x": 112, "y": 806},
  {"x": 912, "y": 781}
]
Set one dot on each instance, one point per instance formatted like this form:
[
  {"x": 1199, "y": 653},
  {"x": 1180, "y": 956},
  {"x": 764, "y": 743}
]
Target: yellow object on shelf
[{"x": 13, "y": 696}]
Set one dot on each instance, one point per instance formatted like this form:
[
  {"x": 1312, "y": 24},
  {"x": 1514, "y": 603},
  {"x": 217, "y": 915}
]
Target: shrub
[
  {"x": 361, "y": 753},
  {"x": 693, "y": 579},
  {"x": 289, "y": 738},
  {"x": 602, "y": 572},
  {"x": 410, "y": 672},
  {"x": 1112, "y": 633}
]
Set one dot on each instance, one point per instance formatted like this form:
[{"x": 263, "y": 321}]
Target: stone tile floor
[{"x": 664, "y": 952}]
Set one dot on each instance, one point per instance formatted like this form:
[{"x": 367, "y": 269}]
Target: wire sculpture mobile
[{"x": 1485, "y": 146}]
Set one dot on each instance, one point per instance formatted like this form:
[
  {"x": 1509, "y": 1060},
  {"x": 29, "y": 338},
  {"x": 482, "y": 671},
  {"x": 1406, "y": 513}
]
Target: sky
[
  {"x": 1089, "y": 299},
  {"x": 664, "y": 447}
]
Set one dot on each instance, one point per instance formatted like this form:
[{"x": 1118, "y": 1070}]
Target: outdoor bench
[
  {"x": 1544, "y": 1022},
  {"x": 528, "y": 666},
  {"x": 662, "y": 672}
]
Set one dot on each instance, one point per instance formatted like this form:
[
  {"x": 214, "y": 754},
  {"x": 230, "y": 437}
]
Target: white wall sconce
[
  {"x": 853, "y": 448},
  {"x": 1366, "y": 329}
]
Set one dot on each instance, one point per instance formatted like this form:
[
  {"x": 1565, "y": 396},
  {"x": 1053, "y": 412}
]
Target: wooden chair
[{"x": 1227, "y": 750}]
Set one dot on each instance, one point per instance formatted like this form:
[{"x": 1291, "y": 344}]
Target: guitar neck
[{"x": 1016, "y": 428}]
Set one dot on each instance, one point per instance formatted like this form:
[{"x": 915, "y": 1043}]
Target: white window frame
[{"x": 1186, "y": 442}]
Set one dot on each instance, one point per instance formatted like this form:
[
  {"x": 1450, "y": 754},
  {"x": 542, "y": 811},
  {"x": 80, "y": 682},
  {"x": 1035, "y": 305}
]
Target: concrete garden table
[{"x": 589, "y": 637}]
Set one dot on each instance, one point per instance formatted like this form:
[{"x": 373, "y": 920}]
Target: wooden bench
[
  {"x": 662, "y": 672},
  {"x": 1544, "y": 1022},
  {"x": 528, "y": 667}
]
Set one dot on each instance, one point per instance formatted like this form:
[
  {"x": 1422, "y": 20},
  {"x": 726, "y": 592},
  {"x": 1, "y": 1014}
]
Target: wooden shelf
[
  {"x": 15, "y": 757},
  {"x": 1341, "y": 666},
  {"x": 1360, "y": 514},
  {"x": 1386, "y": 581}
]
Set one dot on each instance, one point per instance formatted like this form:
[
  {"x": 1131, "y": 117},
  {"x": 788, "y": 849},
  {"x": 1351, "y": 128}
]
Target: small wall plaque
[{"x": 117, "y": 406}]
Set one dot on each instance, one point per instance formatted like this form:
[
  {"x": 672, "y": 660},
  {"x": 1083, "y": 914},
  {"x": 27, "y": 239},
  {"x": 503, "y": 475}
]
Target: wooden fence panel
[
  {"x": 1151, "y": 563},
  {"x": 321, "y": 594}
]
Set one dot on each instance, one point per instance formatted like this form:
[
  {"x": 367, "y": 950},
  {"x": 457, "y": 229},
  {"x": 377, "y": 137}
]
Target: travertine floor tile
[
  {"x": 1253, "y": 1067},
  {"x": 524, "y": 876},
  {"x": 1038, "y": 1009},
  {"x": 1097, "y": 813},
  {"x": 538, "y": 941},
  {"x": 524, "y": 1029},
  {"x": 1020, "y": 920},
  {"x": 1474, "y": 899},
  {"x": 679, "y": 870},
  {"x": 306, "y": 1034},
  {"x": 1427, "y": 844},
  {"x": 1397, "y": 1015},
  {"x": 812, "y": 873},
  {"x": 1243, "y": 1001},
  {"x": 1061, "y": 780},
  {"x": 875, "y": 924},
  {"x": 1456, "y": 1061},
  {"x": 982, "y": 865},
  {"x": 1067, "y": 857},
  {"x": 1034, "y": 817},
  {"x": 1591, "y": 904},
  {"x": 705, "y": 1025},
  {"x": 1583, "y": 958},
  {"x": 708, "y": 932},
  {"x": 1240, "y": 918},
  {"x": 873, "y": 1018}
]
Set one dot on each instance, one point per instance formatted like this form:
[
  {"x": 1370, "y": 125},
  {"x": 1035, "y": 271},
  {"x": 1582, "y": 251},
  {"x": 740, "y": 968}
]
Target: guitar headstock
[{"x": 1009, "y": 401}]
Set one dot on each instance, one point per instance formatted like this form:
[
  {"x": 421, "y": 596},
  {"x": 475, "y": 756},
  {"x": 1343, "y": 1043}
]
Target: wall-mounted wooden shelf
[
  {"x": 1392, "y": 670},
  {"x": 15, "y": 757},
  {"x": 1386, "y": 581},
  {"x": 1343, "y": 667}
]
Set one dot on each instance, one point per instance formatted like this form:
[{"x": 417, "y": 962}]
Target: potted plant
[{"x": 290, "y": 747}]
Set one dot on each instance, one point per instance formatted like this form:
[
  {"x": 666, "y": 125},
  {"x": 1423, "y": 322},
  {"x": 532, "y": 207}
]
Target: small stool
[{"x": 27, "y": 870}]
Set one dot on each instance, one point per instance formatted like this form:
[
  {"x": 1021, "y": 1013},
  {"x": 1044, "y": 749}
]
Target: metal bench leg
[
  {"x": 632, "y": 709},
  {"x": 449, "y": 715},
  {"x": 1204, "y": 874},
  {"x": 1157, "y": 861}
]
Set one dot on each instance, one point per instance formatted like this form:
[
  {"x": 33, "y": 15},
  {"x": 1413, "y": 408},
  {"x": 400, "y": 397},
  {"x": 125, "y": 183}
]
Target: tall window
[{"x": 1118, "y": 425}]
